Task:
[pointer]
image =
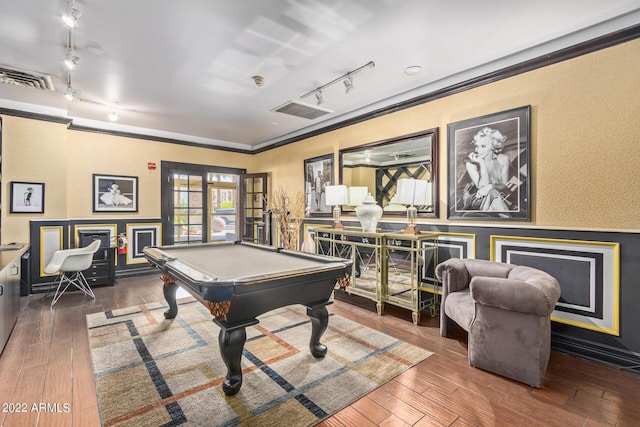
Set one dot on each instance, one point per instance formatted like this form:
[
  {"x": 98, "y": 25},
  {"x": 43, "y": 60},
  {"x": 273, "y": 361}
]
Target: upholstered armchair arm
[
  {"x": 453, "y": 275},
  {"x": 516, "y": 295}
]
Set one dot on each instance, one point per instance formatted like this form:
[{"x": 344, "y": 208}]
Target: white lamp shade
[
  {"x": 335, "y": 195},
  {"x": 412, "y": 191},
  {"x": 357, "y": 195},
  {"x": 428, "y": 194},
  {"x": 420, "y": 194}
]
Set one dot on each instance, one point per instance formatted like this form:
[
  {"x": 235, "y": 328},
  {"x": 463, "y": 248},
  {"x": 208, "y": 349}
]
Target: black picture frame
[
  {"x": 115, "y": 193},
  {"x": 27, "y": 197},
  {"x": 500, "y": 200},
  {"x": 318, "y": 172}
]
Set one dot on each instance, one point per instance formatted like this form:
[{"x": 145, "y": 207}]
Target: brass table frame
[{"x": 387, "y": 266}]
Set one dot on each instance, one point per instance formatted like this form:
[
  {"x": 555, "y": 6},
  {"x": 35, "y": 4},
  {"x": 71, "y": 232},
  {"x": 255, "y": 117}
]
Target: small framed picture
[
  {"x": 318, "y": 173},
  {"x": 27, "y": 197},
  {"x": 115, "y": 193}
]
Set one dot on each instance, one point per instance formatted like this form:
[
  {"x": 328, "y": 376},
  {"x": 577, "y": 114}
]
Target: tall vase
[{"x": 369, "y": 213}]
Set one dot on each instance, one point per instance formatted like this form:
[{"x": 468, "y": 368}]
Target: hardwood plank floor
[{"x": 45, "y": 371}]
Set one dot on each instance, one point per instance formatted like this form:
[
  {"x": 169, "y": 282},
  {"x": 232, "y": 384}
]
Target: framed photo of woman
[
  {"x": 318, "y": 173},
  {"x": 115, "y": 193},
  {"x": 489, "y": 166},
  {"x": 27, "y": 197}
]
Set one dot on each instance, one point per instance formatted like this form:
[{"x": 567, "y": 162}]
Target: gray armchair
[{"x": 505, "y": 310}]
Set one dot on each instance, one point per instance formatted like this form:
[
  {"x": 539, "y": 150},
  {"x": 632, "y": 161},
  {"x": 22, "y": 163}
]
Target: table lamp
[
  {"x": 336, "y": 196},
  {"x": 412, "y": 192},
  {"x": 356, "y": 195}
]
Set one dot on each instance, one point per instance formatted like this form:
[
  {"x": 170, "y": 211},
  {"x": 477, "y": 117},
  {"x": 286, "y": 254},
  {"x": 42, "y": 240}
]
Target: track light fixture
[
  {"x": 71, "y": 15},
  {"x": 70, "y": 93},
  {"x": 346, "y": 79},
  {"x": 348, "y": 84},
  {"x": 71, "y": 61}
]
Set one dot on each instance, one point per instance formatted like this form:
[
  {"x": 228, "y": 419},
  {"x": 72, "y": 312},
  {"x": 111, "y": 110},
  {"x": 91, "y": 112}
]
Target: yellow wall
[
  {"x": 65, "y": 161},
  {"x": 105, "y": 154},
  {"x": 584, "y": 148},
  {"x": 584, "y": 138}
]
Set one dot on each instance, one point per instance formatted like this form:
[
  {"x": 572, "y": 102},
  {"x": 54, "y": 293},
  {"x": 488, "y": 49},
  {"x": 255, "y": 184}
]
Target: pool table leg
[
  {"x": 319, "y": 320},
  {"x": 169, "y": 290},
  {"x": 231, "y": 343}
]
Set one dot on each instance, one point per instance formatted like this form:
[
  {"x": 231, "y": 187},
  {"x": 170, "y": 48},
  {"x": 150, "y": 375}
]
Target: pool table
[{"x": 239, "y": 281}]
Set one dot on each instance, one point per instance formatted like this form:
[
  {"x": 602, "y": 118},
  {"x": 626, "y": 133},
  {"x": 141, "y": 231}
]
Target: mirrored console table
[{"x": 388, "y": 267}]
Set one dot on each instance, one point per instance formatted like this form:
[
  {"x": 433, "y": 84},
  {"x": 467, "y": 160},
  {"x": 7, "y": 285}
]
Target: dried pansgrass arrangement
[{"x": 288, "y": 213}]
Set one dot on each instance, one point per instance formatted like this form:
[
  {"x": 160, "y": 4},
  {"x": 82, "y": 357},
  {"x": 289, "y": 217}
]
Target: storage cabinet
[
  {"x": 9, "y": 292},
  {"x": 103, "y": 268},
  {"x": 388, "y": 267}
]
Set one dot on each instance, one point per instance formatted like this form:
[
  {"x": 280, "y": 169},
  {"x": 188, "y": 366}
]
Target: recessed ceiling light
[
  {"x": 95, "y": 48},
  {"x": 413, "y": 70}
]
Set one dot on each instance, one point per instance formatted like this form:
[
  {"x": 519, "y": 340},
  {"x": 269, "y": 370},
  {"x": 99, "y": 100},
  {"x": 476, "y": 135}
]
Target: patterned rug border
[{"x": 102, "y": 328}]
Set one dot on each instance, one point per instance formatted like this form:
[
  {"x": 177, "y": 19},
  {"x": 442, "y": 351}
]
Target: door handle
[{"x": 1, "y": 290}]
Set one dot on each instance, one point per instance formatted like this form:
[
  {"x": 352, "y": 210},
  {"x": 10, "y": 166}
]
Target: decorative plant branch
[{"x": 288, "y": 213}]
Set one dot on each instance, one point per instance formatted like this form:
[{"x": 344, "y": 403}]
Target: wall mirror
[{"x": 376, "y": 168}]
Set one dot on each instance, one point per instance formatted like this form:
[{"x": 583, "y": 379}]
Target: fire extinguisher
[{"x": 122, "y": 244}]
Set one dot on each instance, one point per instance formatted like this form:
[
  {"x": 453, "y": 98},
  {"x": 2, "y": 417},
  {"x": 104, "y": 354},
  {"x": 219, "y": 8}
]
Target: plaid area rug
[{"x": 150, "y": 371}]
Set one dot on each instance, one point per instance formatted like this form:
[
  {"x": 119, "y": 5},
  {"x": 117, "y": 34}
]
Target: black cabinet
[{"x": 103, "y": 267}]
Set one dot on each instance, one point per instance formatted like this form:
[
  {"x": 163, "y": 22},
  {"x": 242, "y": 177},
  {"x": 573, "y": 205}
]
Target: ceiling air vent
[
  {"x": 18, "y": 77},
  {"x": 300, "y": 109}
]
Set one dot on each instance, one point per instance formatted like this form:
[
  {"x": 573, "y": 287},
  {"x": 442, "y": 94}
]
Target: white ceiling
[{"x": 183, "y": 70}]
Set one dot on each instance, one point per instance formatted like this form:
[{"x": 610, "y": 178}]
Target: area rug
[{"x": 150, "y": 371}]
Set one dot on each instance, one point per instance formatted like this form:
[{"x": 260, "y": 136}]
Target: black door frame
[{"x": 167, "y": 170}]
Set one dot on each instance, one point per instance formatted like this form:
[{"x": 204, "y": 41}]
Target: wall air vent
[
  {"x": 18, "y": 77},
  {"x": 300, "y": 109}
]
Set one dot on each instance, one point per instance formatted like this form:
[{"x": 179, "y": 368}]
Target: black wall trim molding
[
  {"x": 621, "y": 359},
  {"x": 156, "y": 138},
  {"x": 590, "y": 46},
  {"x": 609, "y": 40},
  {"x": 35, "y": 116}
]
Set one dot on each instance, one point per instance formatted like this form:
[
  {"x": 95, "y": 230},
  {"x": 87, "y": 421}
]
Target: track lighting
[
  {"x": 71, "y": 93},
  {"x": 71, "y": 15},
  {"x": 348, "y": 84},
  {"x": 70, "y": 61},
  {"x": 70, "y": 18},
  {"x": 346, "y": 79}
]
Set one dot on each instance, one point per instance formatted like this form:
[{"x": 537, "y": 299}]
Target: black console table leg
[
  {"x": 319, "y": 320},
  {"x": 231, "y": 344}
]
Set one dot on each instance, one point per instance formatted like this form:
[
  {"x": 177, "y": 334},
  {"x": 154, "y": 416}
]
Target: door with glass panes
[
  {"x": 199, "y": 203},
  {"x": 188, "y": 208},
  {"x": 255, "y": 219},
  {"x": 222, "y": 201}
]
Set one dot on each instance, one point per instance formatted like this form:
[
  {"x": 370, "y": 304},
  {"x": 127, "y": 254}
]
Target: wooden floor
[{"x": 46, "y": 377}]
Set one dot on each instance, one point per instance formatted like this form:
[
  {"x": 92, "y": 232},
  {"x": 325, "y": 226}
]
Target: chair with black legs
[{"x": 69, "y": 265}]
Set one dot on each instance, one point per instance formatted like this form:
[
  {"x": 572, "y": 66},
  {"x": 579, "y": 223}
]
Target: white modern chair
[{"x": 69, "y": 265}]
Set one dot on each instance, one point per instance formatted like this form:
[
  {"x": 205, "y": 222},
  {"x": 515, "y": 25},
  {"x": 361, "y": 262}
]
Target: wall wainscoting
[
  {"x": 597, "y": 314},
  {"x": 48, "y": 236}
]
